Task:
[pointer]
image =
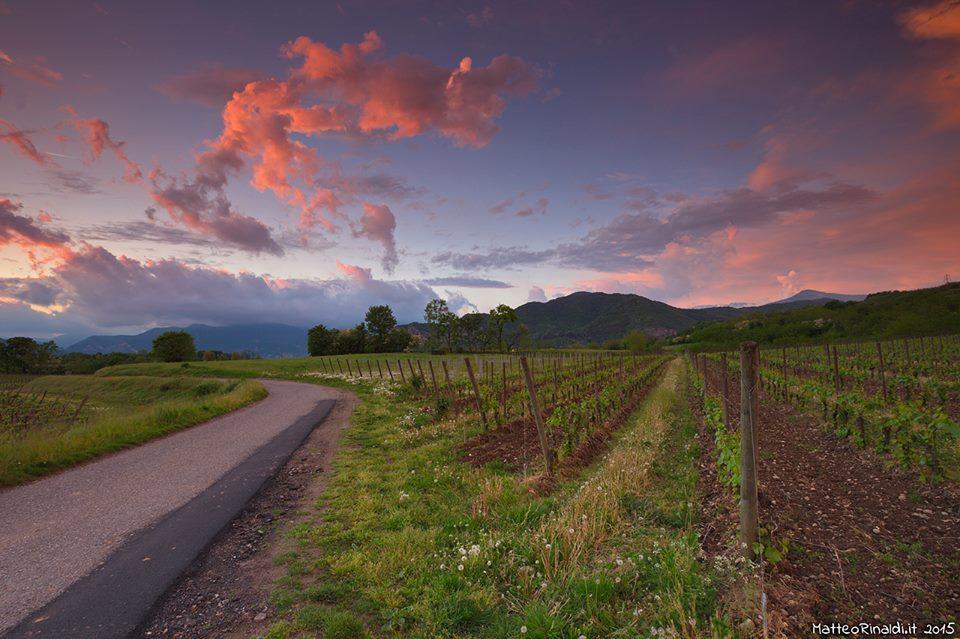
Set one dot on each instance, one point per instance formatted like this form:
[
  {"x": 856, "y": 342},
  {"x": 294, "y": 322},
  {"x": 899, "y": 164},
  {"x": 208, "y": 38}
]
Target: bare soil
[
  {"x": 224, "y": 594},
  {"x": 867, "y": 542}
]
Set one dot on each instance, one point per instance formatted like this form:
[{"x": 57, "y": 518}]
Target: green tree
[
  {"x": 472, "y": 333},
  {"x": 380, "y": 322},
  {"x": 434, "y": 314},
  {"x": 322, "y": 340},
  {"x": 398, "y": 340},
  {"x": 26, "y": 355},
  {"x": 174, "y": 346},
  {"x": 636, "y": 342},
  {"x": 499, "y": 318},
  {"x": 352, "y": 340}
]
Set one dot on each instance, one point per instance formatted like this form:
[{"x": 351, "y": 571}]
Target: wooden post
[
  {"x": 379, "y": 370},
  {"x": 503, "y": 397},
  {"x": 883, "y": 377},
  {"x": 749, "y": 515},
  {"x": 725, "y": 389},
  {"x": 390, "y": 371},
  {"x": 413, "y": 373},
  {"x": 838, "y": 384},
  {"x": 476, "y": 392},
  {"x": 537, "y": 417},
  {"x": 349, "y": 370},
  {"x": 446, "y": 373},
  {"x": 359, "y": 369},
  {"x": 370, "y": 369},
  {"x": 422, "y": 376},
  {"x": 433, "y": 377},
  {"x": 403, "y": 377},
  {"x": 340, "y": 366}
]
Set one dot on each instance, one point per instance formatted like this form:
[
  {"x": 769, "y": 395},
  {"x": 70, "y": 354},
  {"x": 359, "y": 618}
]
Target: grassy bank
[
  {"x": 80, "y": 417},
  {"x": 409, "y": 541}
]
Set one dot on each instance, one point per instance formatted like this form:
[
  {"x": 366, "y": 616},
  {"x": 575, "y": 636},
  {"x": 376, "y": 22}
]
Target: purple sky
[{"x": 175, "y": 162}]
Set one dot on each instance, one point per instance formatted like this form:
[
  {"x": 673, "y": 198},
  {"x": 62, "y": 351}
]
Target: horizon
[{"x": 298, "y": 165}]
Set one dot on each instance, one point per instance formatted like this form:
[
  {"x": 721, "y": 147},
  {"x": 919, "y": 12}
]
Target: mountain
[
  {"x": 809, "y": 295},
  {"x": 265, "y": 340},
  {"x": 927, "y": 311},
  {"x": 584, "y": 317}
]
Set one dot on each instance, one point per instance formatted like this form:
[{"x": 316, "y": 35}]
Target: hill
[
  {"x": 928, "y": 311},
  {"x": 265, "y": 340},
  {"x": 809, "y": 295}
]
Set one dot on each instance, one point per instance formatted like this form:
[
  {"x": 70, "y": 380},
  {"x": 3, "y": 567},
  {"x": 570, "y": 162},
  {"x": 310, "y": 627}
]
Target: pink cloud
[
  {"x": 20, "y": 140},
  {"x": 97, "y": 136},
  {"x": 938, "y": 20},
  {"x": 36, "y": 72},
  {"x": 22, "y": 230},
  {"x": 378, "y": 224},
  {"x": 365, "y": 94}
]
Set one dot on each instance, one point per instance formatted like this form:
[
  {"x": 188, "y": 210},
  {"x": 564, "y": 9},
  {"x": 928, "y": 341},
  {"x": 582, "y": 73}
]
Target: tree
[
  {"x": 434, "y": 314},
  {"x": 471, "y": 331},
  {"x": 322, "y": 340},
  {"x": 26, "y": 355},
  {"x": 398, "y": 340},
  {"x": 499, "y": 318},
  {"x": 380, "y": 322},
  {"x": 636, "y": 342},
  {"x": 450, "y": 327},
  {"x": 174, "y": 346},
  {"x": 352, "y": 340}
]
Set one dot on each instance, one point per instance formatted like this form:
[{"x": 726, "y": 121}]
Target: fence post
[
  {"x": 836, "y": 372},
  {"x": 537, "y": 417},
  {"x": 390, "y": 370},
  {"x": 433, "y": 377},
  {"x": 883, "y": 377},
  {"x": 749, "y": 516},
  {"x": 476, "y": 392},
  {"x": 725, "y": 382},
  {"x": 403, "y": 378}
]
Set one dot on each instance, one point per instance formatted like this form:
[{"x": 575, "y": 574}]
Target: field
[
  {"x": 594, "y": 494},
  {"x": 51, "y": 422},
  {"x": 432, "y": 526},
  {"x": 857, "y": 460}
]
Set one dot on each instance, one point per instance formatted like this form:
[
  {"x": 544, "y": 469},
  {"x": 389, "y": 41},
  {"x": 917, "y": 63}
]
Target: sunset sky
[{"x": 224, "y": 162}]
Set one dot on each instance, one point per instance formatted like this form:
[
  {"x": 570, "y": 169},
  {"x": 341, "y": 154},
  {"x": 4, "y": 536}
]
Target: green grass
[
  {"x": 407, "y": 541},
  {"x": 121, "y": 412}
]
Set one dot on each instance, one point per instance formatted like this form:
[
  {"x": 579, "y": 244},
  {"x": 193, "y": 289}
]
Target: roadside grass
[
  {"x": 408, "y": 541},
  {"x": 121, "y": 412}
]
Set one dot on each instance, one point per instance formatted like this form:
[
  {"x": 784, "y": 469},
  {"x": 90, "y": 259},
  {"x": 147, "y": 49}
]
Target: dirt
[
  {"x": 516, "y": 444},
  {"x": 224, "y": 594},
  {"x": 866, "y": 541}
]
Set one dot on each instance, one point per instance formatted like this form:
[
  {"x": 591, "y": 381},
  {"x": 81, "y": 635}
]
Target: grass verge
[
  {"x": 407, "y": 541},
  {"x": 122, "y": 412}
]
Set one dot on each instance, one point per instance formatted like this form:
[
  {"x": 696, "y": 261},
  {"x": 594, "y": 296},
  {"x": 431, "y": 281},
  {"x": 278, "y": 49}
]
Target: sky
[{"x": 233, "y": 162}]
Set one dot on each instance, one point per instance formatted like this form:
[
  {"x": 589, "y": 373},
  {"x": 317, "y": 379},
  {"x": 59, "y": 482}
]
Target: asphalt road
[{"x": 86, "y": 552}]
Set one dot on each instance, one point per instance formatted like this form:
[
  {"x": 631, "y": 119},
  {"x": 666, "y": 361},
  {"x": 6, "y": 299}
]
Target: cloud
[
  {"x": 459, "y": 304},
  {"x": 22, "y": 230},
  {"x": 140, "y": 231},
  {"x": 378, "y": 224},
  {"x": 466, "y": 281},
  {"x": 75, "y": 181},
  {"x": 788, "y": 283},
  {"x": 97, "y": 136},
  {"x": 630, "y": 241},
  {"x": 505, "y": 257},
  {"x": 537, "y": 208},
  {"x": 201, "y": 204},
  {"x": 211, "y": 86},
  {"x": 98, "y": 288},
  {"x": 536, "y": 294},
  {"x": 939, "y": 20},
  {"x": 364, "y": 94},
  {"x": 36, "y": 72},
  {"x": 20, "y": 140}
]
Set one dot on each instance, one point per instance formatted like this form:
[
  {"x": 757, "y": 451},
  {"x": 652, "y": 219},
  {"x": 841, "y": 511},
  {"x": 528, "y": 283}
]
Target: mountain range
[{"x": 577, "y": 318}]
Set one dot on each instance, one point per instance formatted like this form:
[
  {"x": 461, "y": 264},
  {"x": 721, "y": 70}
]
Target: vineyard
[
  {"x": 845, "y": 467},
  {"x": 536, "y": 409},
  {"x": 900, "y": 398}
]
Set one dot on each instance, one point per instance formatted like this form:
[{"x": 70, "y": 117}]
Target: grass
[
  {"x": 408, "y": 541},
  {"x": 121, "y": 412}
]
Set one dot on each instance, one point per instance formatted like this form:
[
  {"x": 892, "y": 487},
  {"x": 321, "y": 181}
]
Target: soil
[
  {"x": 517, "y": 444},
  {"x": 867, "y": 542},
  {"x": 224, "y": 594}
]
